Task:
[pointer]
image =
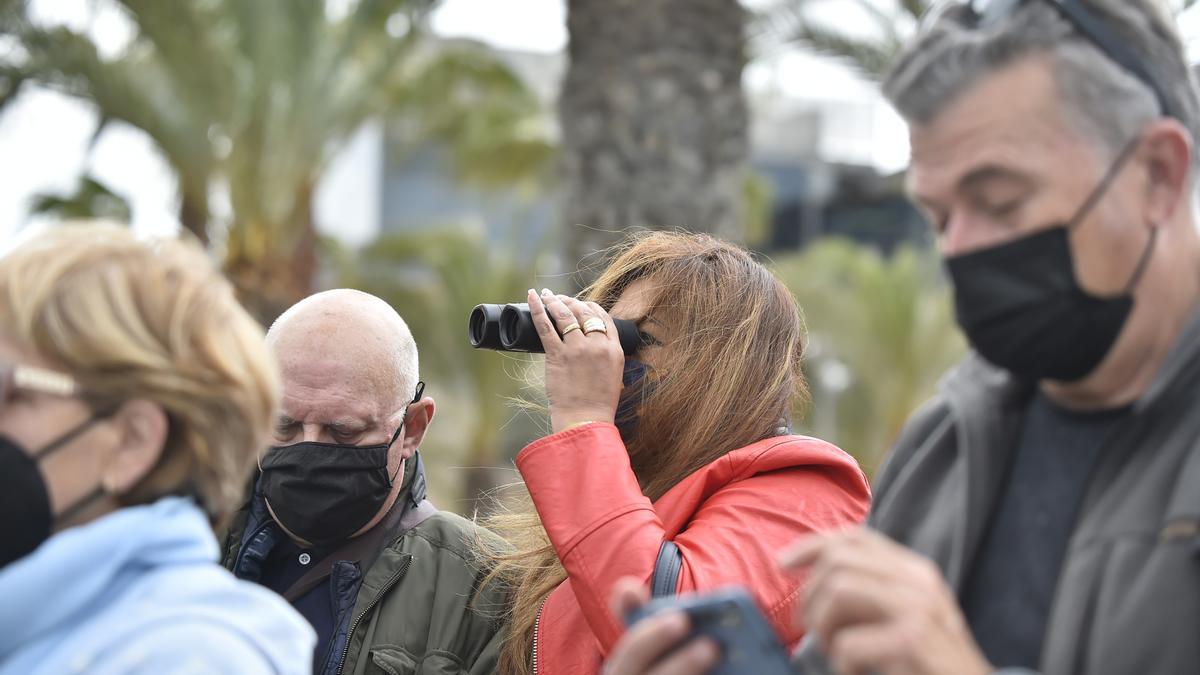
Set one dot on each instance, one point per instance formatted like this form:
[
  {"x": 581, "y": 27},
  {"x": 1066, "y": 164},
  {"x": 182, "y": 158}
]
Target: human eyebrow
[
  {"x": 349, "y": 427},
  {"x": 979, "y": 180}
]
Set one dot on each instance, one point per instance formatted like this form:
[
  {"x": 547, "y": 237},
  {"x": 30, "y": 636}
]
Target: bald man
[{"x": 338, "y": 522}]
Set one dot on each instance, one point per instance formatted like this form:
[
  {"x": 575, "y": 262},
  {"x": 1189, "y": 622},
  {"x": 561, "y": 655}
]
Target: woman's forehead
[{"x": 636, "y": 299}]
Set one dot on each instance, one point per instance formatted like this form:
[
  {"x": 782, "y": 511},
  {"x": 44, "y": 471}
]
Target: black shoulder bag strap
[{"x": 665, "y": 581}]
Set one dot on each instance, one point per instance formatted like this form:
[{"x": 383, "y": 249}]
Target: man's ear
[
  {"x": 1167, "y": 154},
  {"x": 141, "y": 427},
  {"x": 420, "y": 414}
]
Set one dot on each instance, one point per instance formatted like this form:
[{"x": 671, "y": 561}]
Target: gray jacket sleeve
[
  {"x": 488, "y": 660},
  {"x": 808, "y": 660}
]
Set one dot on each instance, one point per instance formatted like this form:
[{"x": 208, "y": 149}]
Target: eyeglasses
[
  {"x": 14, "y": 378},
  {"x": 1093, "y": 27}
]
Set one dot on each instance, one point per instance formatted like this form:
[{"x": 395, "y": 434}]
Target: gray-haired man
[{"x": 1043, "y": 512}]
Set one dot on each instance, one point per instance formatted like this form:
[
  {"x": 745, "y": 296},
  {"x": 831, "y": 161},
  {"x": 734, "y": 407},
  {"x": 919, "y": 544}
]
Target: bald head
[{"x": 353, "y": 340}]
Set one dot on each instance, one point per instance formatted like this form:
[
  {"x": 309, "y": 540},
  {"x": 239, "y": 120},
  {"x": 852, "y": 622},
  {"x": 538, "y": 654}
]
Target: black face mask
[
  {"x": 635, "y": 389},
  {"x": 25, "y": 498},
  {"x": 326, "y": 492},
  {"x": 1023, "y": 310}
]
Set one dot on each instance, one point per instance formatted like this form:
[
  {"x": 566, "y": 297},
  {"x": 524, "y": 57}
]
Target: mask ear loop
[
  {"x": 1099, "y": 191},
  {"x": 79, "y": 429},
  {"x": 1143, "y": 262},
  {"x": 69, "y": 513},
  {"x": 1102, "y": 187},
  {"x": 395, "y": 436}
]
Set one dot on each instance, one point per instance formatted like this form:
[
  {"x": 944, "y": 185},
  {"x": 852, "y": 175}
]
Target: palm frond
[
  {"x": 869, "y": 58},
  {"x": 258, "y": 96},
  {"x": 793, "y": 21},
  {"x": 198, "y": 67},
  {"x": 494, "y": 128},
  {"x": 917, "y": 8},
  {"x": 12, "y": 81},
  {"x": 90, "y": 199},
  {"x": 888, "y": 320}
]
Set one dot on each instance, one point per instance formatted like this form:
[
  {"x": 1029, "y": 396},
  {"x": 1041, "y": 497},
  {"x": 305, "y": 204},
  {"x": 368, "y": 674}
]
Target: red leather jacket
[{"x": 729, "y": 519}]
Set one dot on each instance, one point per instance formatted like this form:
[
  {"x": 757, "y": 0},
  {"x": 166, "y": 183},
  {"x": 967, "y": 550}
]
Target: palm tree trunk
[
  {"x": 653, "y": 117},
  {"x": 274, "y": 264},
  {"x": 193, "y": 216},
  {"x": 303, "y": 265}
]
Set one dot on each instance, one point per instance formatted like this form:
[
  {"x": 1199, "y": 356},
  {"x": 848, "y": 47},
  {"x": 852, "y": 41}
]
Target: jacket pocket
[{"x": 389, "y": 660}]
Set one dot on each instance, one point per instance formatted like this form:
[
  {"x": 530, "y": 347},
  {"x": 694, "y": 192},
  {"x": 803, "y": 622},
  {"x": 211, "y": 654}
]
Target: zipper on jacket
[
  {"x": 537, "y": 625},
  {"x": 241, "y": 554},
  {"x": 382, "y": 592}
]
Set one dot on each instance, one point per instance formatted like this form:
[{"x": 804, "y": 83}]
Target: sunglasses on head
[{"x": 1094, "y": 27}]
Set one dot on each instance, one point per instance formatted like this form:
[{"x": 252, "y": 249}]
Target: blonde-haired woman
[
  {"x": 684, "y": 442},
  {"x": 134, "y": 393}
]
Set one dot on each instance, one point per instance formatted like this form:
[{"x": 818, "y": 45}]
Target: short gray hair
[{"x": 1113, "y": 105}]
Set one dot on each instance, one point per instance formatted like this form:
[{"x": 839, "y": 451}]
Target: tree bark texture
[
  {"x": 193, "y": 217},
  {"x": 653, "y": 118},
  {"x": 274, "y": 265}
]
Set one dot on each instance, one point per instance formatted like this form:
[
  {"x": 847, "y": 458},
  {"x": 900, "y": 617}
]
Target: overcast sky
[{"x": 44, "y": 137}]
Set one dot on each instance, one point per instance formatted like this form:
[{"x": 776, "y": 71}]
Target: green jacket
[{"x": 417, "y": 609}]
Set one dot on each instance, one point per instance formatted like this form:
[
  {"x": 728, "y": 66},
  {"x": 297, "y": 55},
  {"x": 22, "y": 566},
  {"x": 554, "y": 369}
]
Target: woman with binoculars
[{"x": 675, "y": 458}]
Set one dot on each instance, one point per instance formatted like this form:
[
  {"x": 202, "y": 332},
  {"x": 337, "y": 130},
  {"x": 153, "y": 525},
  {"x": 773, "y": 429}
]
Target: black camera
[{"x": 509, "y": 328}]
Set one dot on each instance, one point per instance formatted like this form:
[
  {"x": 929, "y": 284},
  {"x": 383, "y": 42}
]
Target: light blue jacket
[{"x": 139, "y": 591}]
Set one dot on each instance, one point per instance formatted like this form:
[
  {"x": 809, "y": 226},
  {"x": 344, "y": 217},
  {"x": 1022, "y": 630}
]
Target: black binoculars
[{"x": 509, "y": 328}]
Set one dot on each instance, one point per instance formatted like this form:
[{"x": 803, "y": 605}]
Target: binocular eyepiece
[{"x": 509, "y": 328}]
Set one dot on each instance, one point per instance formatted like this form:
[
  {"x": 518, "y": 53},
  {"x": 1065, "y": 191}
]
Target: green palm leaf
[
  {"x": 868, "y": 50},
  {"x": 257, "y": 96},
  {"x": 889, "y": 320}
]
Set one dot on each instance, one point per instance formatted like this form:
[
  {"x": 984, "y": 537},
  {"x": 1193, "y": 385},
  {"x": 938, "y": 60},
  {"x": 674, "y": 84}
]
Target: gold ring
[
  {"x": 594, "y": 325},
  {"x": 573, "y": 326}
]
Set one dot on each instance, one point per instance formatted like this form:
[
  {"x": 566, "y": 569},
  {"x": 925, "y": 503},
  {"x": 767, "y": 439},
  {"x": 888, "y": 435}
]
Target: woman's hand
[{"x": 583, "y": 369}]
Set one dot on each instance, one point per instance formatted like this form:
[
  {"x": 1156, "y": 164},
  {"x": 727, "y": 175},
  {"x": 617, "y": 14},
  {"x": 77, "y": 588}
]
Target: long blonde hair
[{"x": 734, "y": 364}]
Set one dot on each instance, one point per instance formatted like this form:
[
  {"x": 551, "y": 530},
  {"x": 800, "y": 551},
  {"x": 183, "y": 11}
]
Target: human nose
[
  {"x": 965, "y": 233},
  {"x": 311, "y": 433}
]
